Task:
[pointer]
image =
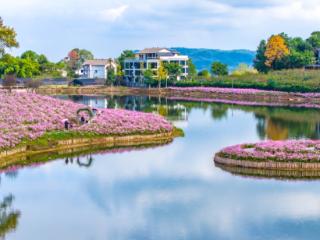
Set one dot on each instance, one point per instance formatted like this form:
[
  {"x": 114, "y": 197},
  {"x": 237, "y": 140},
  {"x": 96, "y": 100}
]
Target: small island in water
[
  {"x": 32, "y": 124},
  {"x": 279, "y": 159}
]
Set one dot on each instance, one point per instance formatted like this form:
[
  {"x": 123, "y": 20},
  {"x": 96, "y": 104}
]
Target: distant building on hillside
[
  {"x": 151, "y": 58},
  {"x": 97, "y": 68}
]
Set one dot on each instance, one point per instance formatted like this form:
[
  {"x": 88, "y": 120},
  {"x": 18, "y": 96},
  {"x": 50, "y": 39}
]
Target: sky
[{"x": 106, "y": 27}]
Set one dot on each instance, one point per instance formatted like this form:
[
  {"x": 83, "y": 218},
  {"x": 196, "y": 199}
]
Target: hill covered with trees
[{"x": 203, "y": 58}]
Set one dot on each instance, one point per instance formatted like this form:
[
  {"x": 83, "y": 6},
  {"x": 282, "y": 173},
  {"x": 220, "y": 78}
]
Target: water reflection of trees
[
  {"x": 275, "y": 123},
  {"x": 8, "y": 216},
  {"x": 219, "y": 111},
  {"x": 276, "y": 127}
]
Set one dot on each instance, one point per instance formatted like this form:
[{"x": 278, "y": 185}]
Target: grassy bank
[
  {"x": 60, "y": 141},
  {"x": 51, "y": 139},
  {"x": 286, "y": 80}
]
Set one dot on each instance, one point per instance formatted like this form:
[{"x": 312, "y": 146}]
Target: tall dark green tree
[
  {"x": 148, "y": 77},
  {"x": 260, "y": 60}
]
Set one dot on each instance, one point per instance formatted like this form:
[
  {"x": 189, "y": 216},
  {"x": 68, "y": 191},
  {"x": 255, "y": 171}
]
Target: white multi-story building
[
  {"x": 98, "y": 68},
  {"x": 151, "y": 58}
]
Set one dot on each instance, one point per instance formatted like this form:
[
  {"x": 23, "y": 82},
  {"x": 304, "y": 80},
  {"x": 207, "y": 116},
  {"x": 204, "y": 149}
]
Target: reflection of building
[
  {"x": 135, "y": 103},
  {"x": 151, "y": 59},
  {"x": 95, "y": 102},
  {"x": 92, "y": 101}
]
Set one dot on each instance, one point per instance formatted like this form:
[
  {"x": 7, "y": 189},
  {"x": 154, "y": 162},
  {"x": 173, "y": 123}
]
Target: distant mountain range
[{"x": 203, "y": 58}]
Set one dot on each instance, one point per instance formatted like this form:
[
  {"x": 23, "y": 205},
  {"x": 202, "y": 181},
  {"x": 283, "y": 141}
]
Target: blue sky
[{"x": 106, "y": 27}]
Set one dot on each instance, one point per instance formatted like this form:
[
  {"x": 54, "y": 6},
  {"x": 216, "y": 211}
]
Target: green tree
[
  {"x": 148, "y": 77},
  {"x": 9, "y": 65},
  {"x": 174, "y": 70},
  {"x": 125, "y": 54},
  {"x": 260, "y": 60},
  {"x": 31, "y": 55},
  {"x": 192, "y": 69},
  {"x": 299, "y": 45},
  {"x": 28, "y": 68},
  {"x": 7, "y": 37},
  {"x": 219, "y": 69},
  {"x": 85, "y": 55},
  {"x": 38, "y": 64},
  {"x": 204, "y": 74},
  {"x": 111, "y": 77},
  {"x": 314, "y": 40}
]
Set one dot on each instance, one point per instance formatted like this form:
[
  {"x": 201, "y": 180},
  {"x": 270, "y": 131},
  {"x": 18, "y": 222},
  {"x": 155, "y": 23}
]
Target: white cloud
[
  {"x": 225, "y": 24},
  {"x": 113, "y": 14}
]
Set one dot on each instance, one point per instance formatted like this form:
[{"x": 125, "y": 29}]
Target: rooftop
[
  {"x": 156, "y": 50},
  {"x": 100, "y": 62}
]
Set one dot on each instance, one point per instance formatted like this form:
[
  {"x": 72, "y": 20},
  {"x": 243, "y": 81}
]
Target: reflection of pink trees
[{"x": 8, "y": 216}]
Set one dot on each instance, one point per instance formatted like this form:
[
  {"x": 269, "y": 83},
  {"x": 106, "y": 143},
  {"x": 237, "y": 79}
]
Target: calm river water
[{"x": 167, "y": 192}]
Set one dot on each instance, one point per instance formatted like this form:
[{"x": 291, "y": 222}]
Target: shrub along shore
[{"x": 31, "y": 122}]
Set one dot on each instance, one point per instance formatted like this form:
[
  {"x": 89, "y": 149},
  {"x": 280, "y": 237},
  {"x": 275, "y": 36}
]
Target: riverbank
[
  {"x": 272, "y": 155},
  {"x": 47, "y": 149},
  {"x": 31, "y": 123},
  {"x": 278, "y": 174},
  {"x": 239, "y": 96}
]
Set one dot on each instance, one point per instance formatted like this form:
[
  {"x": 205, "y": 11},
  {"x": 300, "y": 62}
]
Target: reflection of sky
[{"x": 168, "y": 192}]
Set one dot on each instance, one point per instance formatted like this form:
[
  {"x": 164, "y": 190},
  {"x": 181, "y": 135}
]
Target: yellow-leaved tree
[
  {"x": 162, "y": 74},
  {"x": 276, "y": 49},
  {"x": 7, "y": 37}
]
